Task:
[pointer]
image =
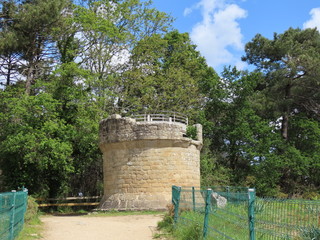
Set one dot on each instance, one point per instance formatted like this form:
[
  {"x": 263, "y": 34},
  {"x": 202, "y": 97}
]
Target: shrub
[
  {"x": 192, "y": 231},
  {"x": 167, "y": 221},
  {"x": 192, "y": 132},
  {"x": 32, "y": 210}
]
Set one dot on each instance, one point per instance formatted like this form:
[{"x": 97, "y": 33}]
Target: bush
[
  {"x": 32, "y": 210},
  {"x": 311, "y": 195},
  {"x": 167, "y": 221},
  {"x": 192, "y": 132}
]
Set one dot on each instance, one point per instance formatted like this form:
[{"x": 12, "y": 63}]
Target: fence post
[
  {"x": 175, "y": 201},
  {"x": 25, "y": 191},
  {"x": 228, "y": 192},
  {"x": 193, "y": 200},
  {"x": 13, "y": 208},
  {"x": 252, "y": 196},
  {"x": 207, "y": 211}
]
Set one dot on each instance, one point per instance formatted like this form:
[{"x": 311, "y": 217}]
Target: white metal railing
[{"x": 161, "y": 117}]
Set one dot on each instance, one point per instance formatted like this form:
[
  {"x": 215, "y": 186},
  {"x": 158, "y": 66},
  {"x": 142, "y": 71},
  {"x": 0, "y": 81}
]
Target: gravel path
[{"x": 133, "y": 227}]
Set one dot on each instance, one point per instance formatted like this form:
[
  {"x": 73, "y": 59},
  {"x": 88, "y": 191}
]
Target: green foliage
[
  {"x": 167, "y": 74},
  {"x": 166, "y": 223},
  {"x": 239, "y": 137},
  {"x": 32, "y": 226},
  {"x": 289, "y": 61},
  {"x": 39, "y": 150},
  {"x": 213, "y": 174},
  {"x": 192, "y": 132},
  {"x": 189, "y": 229},
  {"x": 262, "y": 125},
  {"x": 49, "y": 122},
  {"x": 192, "y": 232},
  {"x": 28, "y": 38},
  {"x": 311, "y": 195},
  {"x": 32, "y": 213},
  {"x": 110, "y": 31}
]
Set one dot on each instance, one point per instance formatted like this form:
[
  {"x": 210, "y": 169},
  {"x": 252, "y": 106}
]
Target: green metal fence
[
  {"x": 13, "y": 206},
  {"x": 236, "y": 213},
  {"x": 287, "y": 219}
]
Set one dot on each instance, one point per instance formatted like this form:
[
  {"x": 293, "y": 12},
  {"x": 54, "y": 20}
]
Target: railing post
[
  {"x": 175, "y": 201},
  {"x": 193, "y": 200},
  {"x": 251, "y": 196},
  {"x": 207, "y": 211},
  {"x": 13, "y": 208}
]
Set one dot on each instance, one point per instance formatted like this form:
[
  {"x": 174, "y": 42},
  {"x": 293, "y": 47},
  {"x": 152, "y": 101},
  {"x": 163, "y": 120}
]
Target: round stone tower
[{"x": 143, "y": 157}]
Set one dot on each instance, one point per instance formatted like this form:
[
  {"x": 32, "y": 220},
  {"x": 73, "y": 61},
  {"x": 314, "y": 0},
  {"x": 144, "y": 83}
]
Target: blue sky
[{"x": 221, "y": 28}]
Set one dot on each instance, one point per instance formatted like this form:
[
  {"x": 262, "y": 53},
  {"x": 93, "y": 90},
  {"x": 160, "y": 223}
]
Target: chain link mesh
[{"x": 12, "y": 210}]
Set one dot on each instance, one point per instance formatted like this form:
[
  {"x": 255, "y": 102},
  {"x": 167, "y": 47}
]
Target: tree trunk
[
  {"x": 285, "y": 116},
  {"x": 29, "y": 80},
  {"x": 284, "y": 127},
  {"x": 9, "y": 73}
]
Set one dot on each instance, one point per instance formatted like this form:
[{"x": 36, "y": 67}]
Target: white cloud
[
  {"x": 218, "y": 35},
  {"x": 315, "y": 19},
  {"x": 187, "y": 11},
  {"x": 241, "y": 64}
]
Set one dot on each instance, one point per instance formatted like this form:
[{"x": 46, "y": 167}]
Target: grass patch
[
  {"x": 166, "y": 225},
  {"x": 189, "y": 227},
  {"x": 33, "y": 227},
  {"x": 31, "y": 230}
]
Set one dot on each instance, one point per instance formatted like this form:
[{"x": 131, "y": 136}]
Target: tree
[
  {"x": 108, "y": 31},
  {"x": 35, "y": 151},
  {"x": 49, "y": 117},
  {"x": 290, "y": 63},
  {"x": 288, "y": 98},
  {"x": 167, "y": 74},
  {"x": 79, "y": 110},
  {"x": 28, "y": 36},
  {"x": 9, "y": 57},
  {"x": 239, "y": 137}
]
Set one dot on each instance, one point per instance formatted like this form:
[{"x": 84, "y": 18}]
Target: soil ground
[{"x": 131, "y": 227}]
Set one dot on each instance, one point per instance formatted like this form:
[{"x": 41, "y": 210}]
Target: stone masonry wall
[{"x": 142, "y": 160}]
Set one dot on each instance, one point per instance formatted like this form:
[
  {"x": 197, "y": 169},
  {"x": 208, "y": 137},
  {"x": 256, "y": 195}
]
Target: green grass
[
  {"x": 189, "y": 227},
  {"x": 33, "y": 227},
  {"x": 165, "y": 227},
  {"x": 31, "y": 230},
  {"x": 274, "y": 219}
]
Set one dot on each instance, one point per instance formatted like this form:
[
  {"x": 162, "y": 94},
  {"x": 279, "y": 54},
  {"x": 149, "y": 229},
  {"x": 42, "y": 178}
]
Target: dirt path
[{"x": 133, "y": 227}]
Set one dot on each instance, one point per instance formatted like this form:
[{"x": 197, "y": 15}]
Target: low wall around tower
[{"x": 142, "y": 160}]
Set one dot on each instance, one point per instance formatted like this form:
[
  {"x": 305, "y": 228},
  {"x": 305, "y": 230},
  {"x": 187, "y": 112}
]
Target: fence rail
[
  {"x": 69, "y": 201},
  {"x": 237, "y": 214},
  {"x": 13, "y": 206}
]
